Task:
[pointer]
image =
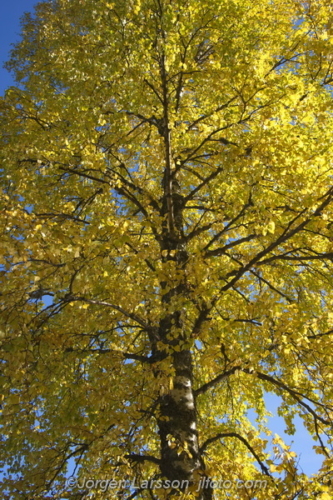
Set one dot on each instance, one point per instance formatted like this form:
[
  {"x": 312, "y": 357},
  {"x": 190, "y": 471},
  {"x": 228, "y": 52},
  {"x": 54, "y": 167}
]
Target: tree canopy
[{"x": 166, "y": 231}]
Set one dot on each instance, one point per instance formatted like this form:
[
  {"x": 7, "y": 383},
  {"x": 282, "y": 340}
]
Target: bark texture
[{"x": 181, "y": 459}]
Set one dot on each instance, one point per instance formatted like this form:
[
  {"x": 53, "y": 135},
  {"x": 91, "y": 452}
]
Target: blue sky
[{"x": 10, "y": 13}]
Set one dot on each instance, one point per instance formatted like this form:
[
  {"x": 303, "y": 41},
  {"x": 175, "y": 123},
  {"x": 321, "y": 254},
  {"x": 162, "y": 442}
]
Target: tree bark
[{"x": 181, "y": 460}]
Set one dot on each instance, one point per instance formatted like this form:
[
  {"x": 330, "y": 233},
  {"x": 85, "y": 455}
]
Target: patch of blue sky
[{"x": 300, "y": 442}]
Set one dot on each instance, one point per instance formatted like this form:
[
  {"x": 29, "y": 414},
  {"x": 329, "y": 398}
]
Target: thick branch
[
  {"x": 295, "y": 394},
  {"x": 285, "y": 236},
  {"x": 243, "y": 440},
  {"x": 143, "y": 458},
  {"x": 205, "y": 387}
]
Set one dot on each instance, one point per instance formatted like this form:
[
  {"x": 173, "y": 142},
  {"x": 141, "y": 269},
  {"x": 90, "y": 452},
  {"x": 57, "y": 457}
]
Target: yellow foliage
[{"x": 166, "y": 245}]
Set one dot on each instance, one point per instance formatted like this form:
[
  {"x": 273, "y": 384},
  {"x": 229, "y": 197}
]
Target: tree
[{"x": 167, "y": 248}]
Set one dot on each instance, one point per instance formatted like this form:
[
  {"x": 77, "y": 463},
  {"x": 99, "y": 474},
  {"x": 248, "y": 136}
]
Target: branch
[
  {"x": 203, "y": 142},
  {"x": 132, "y": 316},
  {"x": 63, "y": 216},
  {"x": 243, "y": 440},
  {"x": 318, "y": 335},
  {"x": 201, "y": 318},
  {"x": 135, "y": 493},
  {"x": 248, "y": 204},
  {"x": 126, "y": 355},
  {"x": 295, "y": 394},
  {"x": 202, "y": 184},
  {"x": 286, "y": 235},
  {"x": 328, "y": 255},
  {"x": 221, "y": 250},
  {"x": 154, "y": 90},
  {"x": 205, "y": 387},
  {"x": 81, "y": 449},
  {"x": 143, "y": 458},
  {"x": 272, "y": 287},
  {"x": 216, "y": 110},
  {"x": 198, "y": 230},
  {"x": 82, "y": 174},
  {"x": 149, "y": 264}
]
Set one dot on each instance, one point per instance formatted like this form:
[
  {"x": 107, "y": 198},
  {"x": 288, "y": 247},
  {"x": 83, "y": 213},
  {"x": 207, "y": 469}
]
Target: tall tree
[{"x": 166, "y": 232}]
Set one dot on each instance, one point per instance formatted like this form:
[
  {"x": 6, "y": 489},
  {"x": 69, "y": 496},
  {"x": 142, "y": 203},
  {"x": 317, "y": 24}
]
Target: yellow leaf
[{"x": 325, "y": 496}]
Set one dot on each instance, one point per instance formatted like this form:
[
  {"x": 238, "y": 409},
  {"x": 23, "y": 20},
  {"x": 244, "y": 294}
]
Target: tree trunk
[{"x": 181, "y": 462}]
